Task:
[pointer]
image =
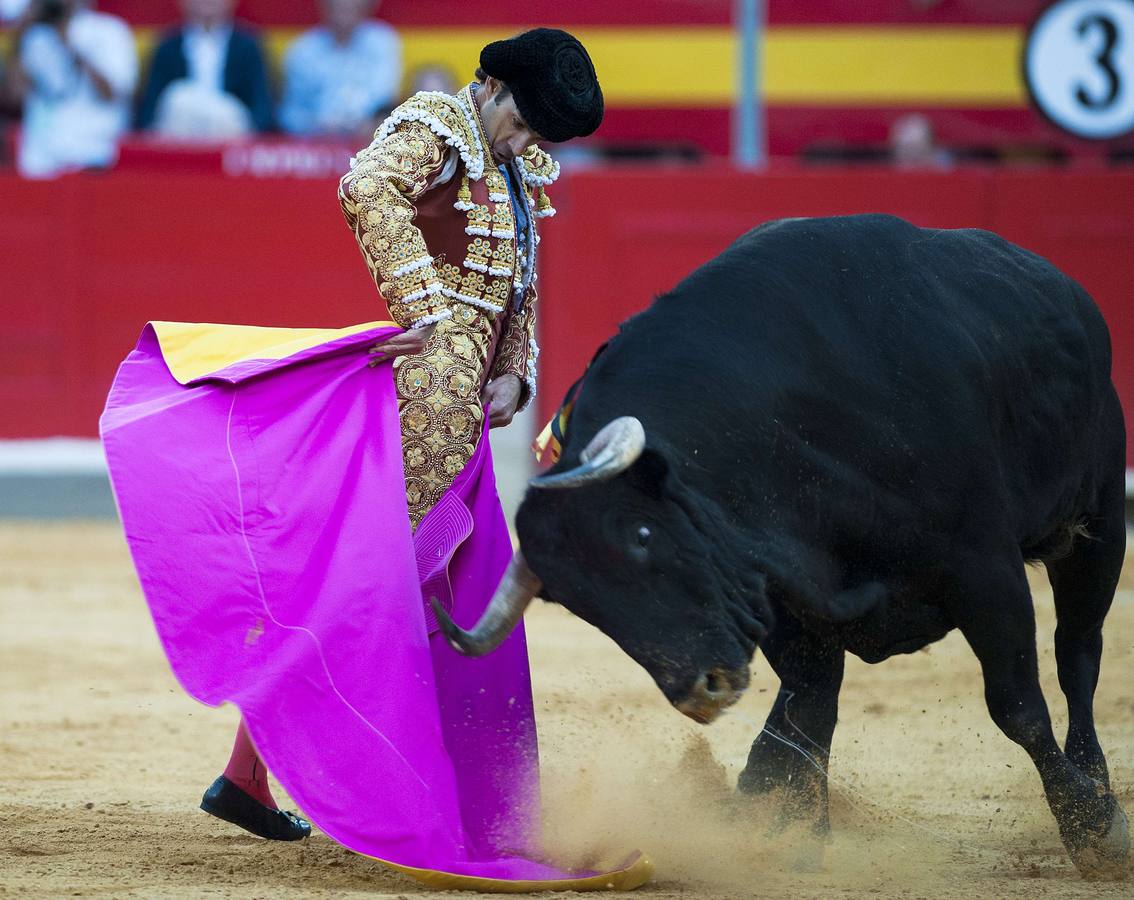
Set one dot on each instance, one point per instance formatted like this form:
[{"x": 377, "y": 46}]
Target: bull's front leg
[{"x": 792, "y": 752}]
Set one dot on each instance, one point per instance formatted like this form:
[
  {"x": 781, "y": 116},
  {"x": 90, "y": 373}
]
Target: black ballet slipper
[{"x": 226, "y": 801}]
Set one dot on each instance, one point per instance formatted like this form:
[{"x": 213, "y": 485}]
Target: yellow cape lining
[
  {"x": 194, "y": 349},
  {"x": 627, "y": 879}
]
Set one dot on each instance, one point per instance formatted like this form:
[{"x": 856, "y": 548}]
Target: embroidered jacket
[{"x": 434, "y": 220}]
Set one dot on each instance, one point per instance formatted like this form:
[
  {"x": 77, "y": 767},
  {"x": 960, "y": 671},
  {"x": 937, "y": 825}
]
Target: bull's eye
[{"x": 643, "y": 536}]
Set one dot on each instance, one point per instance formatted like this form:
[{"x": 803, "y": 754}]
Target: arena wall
[{"x": 88, "y": 260}]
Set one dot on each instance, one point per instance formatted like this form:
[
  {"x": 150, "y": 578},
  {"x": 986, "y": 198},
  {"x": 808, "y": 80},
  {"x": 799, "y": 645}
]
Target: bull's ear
[{"x": 650, "y": 472}]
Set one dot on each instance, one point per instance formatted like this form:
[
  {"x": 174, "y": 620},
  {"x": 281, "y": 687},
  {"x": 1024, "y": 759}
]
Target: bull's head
[{"x": 623, "y": 544}]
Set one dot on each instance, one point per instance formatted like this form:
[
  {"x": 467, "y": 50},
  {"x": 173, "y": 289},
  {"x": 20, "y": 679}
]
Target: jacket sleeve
[
  {"x": 377, "y": 196},
  {"x": 517, "y": 351},
  {"x": 160, "y": 72},
  {"x": 257, "y": 92}
]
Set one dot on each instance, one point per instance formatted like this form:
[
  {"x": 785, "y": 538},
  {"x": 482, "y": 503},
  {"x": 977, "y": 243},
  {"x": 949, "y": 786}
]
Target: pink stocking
[{"x": 246, "y": 770}]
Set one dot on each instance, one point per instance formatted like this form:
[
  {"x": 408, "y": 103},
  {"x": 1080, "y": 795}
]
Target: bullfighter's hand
[
  {"x": 405, "y": 344},
  {"x": 502, "y": 396}
]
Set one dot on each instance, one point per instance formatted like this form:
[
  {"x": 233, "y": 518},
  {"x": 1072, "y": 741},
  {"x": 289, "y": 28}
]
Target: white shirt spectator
[
  {"x": 205, "y": 53},
  {"x": 331, "y": 88},
  {"x": 10, "y": 10},
  {"x": 67, "y": 125}
]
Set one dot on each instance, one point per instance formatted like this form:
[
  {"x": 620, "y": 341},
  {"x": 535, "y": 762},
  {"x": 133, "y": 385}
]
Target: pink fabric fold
[{"x": 264, "y": 507}]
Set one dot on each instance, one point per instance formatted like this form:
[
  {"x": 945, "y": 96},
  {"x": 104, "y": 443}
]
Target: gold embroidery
[
  {"x": 515, "y": 344},
  {"x": 415, "y": 418},
  {"x": 542, "y": 203},
  {"x": 463, "y": 346},
  {"x": 416, "y": 456},
  {"x": 538, "y": 163},
  {"x": 377, "y": 200},
  {"x": 495, "y": 182},
  {"x": 472, "y": 284},
  {"x": 480, "y": 219},
  {"x": 480, "y": 252},
  {"x": 453, "y": 461},
  {"x": 499, "y": 291},
  {"x": 504, "y": 256},
  {"x": 438, "y": 391},
  {"x": 415, "y": 381},
  {"x": 435, "y": 442},
  {"x": 440, "y": 408}
]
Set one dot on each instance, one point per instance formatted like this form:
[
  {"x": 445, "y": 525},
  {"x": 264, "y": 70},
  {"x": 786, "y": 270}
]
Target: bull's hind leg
[
  {"x": 996, "y": 616},
  {"x": 1084, "y": 583}
]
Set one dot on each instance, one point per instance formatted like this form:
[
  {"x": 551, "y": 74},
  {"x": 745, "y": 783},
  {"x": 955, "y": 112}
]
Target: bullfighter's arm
[
  {"x": 517, "y": 351},
  {"x": 377, "y": 197}
]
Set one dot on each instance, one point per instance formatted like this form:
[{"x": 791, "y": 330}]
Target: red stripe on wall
[
  {"x": 603, "y": 12},
  {"x": 673, "y": 221}
]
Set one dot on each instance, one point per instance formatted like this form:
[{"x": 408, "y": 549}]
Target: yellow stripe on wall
[
  {"x": 938, "y": 66},
  {"x": 822, "y": 65}
]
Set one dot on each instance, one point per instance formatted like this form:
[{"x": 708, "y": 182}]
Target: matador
[{"x": 444, "y": 203}]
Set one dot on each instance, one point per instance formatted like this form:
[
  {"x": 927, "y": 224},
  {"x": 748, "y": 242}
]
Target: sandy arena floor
[{"x": 103, "y": 761}]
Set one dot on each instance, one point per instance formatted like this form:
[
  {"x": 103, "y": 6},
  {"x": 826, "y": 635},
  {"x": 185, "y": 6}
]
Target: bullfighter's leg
[
  {"x": 241, "y": 796},
  {"x": 802, "y": 718},
  {"x": 247, "y": 771},
  {"x": 1084, "y": 585},
  {"x": 998, "y": 621}
]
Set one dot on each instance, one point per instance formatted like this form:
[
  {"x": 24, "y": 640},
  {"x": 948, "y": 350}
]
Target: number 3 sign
[{"x": 1079, "y": 66}]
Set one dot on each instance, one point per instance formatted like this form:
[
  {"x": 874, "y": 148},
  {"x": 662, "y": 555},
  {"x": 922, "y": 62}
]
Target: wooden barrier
[{"x": 89, "y": 259}]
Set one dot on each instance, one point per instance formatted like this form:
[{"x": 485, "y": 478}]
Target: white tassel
[{"x": 420, "y": 263}]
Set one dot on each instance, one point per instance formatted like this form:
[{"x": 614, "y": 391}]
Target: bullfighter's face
[
  {"x": 507, "y": 133},
  {"x": 649, "y": 564}
]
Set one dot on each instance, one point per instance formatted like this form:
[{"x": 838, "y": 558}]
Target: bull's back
[{"x": 925, "y": 360}]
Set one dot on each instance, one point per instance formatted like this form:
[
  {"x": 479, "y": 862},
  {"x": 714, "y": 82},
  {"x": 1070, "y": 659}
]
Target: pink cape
[{"x": 259, "y": 479}]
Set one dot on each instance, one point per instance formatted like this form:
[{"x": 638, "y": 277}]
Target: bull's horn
[
  {"x": 516, "y": 590},
  {"x": 611, "y": 451}
]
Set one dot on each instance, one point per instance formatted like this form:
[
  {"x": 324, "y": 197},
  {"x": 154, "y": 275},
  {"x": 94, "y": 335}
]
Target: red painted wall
[
  {"x": 622, "y": 237},
  {"x": 88, "y": 260}
]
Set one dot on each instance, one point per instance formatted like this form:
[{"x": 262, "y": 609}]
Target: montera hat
[{"x": 553, "y": 80}]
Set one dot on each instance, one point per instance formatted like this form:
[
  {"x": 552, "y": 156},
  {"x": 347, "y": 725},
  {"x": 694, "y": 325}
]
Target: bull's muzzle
[{"x": 712, "y": 693}]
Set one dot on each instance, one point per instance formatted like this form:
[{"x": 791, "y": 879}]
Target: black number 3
[{"x": 1105, "y": 61}]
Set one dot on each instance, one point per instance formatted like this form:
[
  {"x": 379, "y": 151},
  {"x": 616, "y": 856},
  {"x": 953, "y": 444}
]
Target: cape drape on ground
[{"x": 259, "y": 479}]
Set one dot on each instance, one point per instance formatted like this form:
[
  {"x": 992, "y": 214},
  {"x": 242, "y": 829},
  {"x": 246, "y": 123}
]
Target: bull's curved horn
[
  {"x": 516, "y": 590},
  {"x": 611, "y": 451}
]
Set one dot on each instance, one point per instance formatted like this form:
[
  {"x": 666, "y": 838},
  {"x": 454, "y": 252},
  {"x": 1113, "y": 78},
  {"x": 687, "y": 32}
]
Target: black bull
[{"x": 847, "y": 434}]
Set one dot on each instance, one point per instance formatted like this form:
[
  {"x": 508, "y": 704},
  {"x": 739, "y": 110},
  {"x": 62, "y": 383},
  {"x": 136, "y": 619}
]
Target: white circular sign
[{"x": 1079, "y": 66}]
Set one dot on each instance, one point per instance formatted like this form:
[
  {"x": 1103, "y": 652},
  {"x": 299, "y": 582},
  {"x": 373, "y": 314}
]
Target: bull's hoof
[
  {"x": 1107, "y": 851},
  {"x": 770, "y": 766},
  {"x": 809, "y": 853}
]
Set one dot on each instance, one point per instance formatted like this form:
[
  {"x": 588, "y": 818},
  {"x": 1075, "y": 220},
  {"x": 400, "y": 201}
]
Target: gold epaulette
[
  {"x": 539, "y": 167},
  {"x": 451, "y": 119},
  {"x": 539, "y": 170}
]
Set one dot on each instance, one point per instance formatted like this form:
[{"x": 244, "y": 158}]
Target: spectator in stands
[
  {"x": 914, "y": 146},
  {"x": 208, "y": 79},
  {"x": 433, "y": 77},
  {"x": 11, "y": 10},
  {"x": 343, "y": 76},
  {"x": 74, "y": 71}
]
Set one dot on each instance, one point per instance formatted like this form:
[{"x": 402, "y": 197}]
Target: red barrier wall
[
  {"x": 623, "y": 237},
  {"x": 87, "y": 260}
]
